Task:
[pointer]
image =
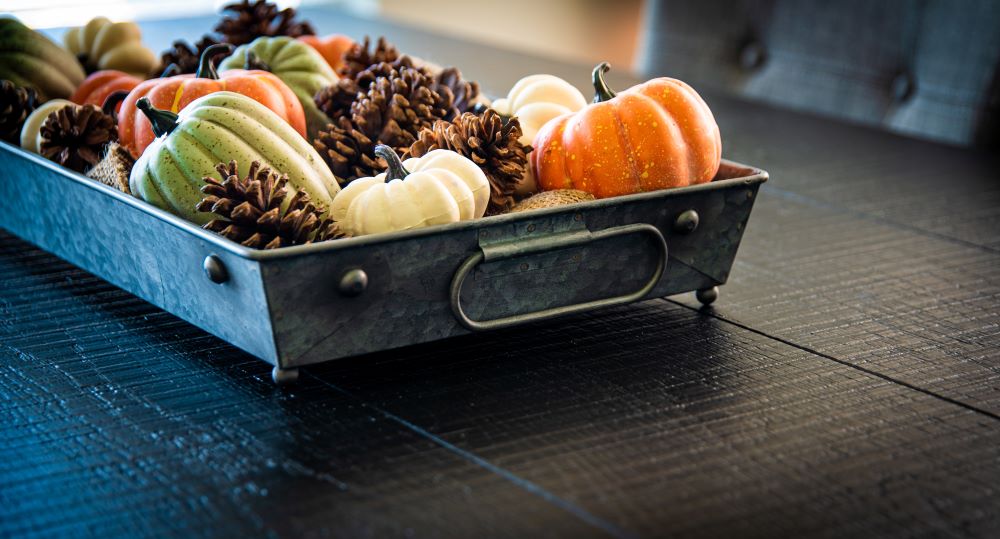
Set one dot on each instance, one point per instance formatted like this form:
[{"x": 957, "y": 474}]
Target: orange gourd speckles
[{"x": 657, "y": 135}]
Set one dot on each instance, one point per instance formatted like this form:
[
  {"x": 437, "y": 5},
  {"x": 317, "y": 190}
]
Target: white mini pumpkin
[
  {"x": 31, "y": 138},
  {"x": 535, "y": 100},
  {"x": 440, "y": 187}
]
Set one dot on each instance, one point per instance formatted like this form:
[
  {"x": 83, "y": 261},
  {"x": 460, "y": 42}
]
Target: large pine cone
[
  {"x": 394, "y": 110},
  {"x": 348, "y": 152},
  {"x": 16, "y": 103},
  {"x": 489, "y": 143},
  {"x": 251, "y": 209},
  {"x": 244, "y": 22},
  {"x": 75, "y": 136}
]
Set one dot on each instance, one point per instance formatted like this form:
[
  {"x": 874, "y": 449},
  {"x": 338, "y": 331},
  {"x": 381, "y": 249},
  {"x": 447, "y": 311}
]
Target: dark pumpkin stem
[
  {"x": 601, "y": 90},
  {"x": 111, "y": 103},
  {"x": 206, "y": 67},
  {"x": 170, "y": 71},
  {"x": 395, "y": 170},
  {"x": 254, "y": 62},
  {"x": 163, "y": 121}
]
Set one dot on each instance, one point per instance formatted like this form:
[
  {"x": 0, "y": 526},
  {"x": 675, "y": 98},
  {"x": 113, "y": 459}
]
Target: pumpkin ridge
[
  {"x": 191, "y": 144},
  {"x": 286, "y": 152},
  {"x": 625, "y": 142},
  {"x": 676, "y": 132},
  {"x": 158, "y": 184}
]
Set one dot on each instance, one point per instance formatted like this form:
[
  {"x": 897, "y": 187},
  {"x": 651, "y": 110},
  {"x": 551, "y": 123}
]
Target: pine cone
[
  {"x": 184, "y": 56},
  {"x": 358, "y": 58},
  {"x": 489, "y": 143},
  {"x": 16, "y": 103},
  {"x": 464, "y": 93},
  {"x": 335, "y": 100},
  {"x": 244, "y": 22},
  {"x": 251, "y": 209},
  {"x": 395, "y": 109},
  {"x": 348, "y": 152},
  {"x": 75, "y": 136}
]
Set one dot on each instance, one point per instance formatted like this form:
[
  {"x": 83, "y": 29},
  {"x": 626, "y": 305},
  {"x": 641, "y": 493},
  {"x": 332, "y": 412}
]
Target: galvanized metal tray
[{"x": 307, "y": 304}]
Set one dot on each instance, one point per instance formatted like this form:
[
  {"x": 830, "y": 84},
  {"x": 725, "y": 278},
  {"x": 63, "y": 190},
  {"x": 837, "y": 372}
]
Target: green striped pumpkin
[{"x": 218, "y": 128}]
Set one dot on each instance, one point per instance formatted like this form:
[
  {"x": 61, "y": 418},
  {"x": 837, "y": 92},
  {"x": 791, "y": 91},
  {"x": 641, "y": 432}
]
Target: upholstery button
[
  {"x": 902, "y": 87},
  {"x": 752, "y": 55}
]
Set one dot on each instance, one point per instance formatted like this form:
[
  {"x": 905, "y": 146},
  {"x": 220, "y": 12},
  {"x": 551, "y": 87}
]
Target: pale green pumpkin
[
  {"x": 218, "y": 128},
  {"x": 298, "y": 65}
]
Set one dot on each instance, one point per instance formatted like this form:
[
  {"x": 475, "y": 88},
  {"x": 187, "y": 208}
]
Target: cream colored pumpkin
[
  {"x": 535, "y": 100},
  {"x": 31, "y": 139},
  {"x": 102, "y": 44},
  {"x": 440, "y": 187}
]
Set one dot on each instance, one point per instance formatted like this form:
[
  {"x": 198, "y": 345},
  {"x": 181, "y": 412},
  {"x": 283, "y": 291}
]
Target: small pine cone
[
  {"x": 75, "y": 136},
  {"x": 489, "y": 143},
  {"x": 253, "y": 212},
  {"x": 464, "y": 93},
  {"x": 185, "y": 56},
  {"x": 16, "y": 103},
  {"x": 358, "y": 58},
  {"x": 244, "y": 22},
  {"x": 348, "y": 152}
]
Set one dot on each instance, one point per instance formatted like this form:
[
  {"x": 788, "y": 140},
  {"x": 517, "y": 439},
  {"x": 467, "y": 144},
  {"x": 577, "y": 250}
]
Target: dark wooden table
[{"x": 846, "y": 383}]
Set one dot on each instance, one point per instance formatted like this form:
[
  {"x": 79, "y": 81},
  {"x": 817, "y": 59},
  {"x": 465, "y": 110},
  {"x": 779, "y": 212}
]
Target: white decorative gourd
[
  {"x": 440, "y": 187},
  {"x": 535, "y": 100},
  {"x": 31, "y": 138}
]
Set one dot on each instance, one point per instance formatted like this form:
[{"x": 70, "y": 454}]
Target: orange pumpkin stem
[
  {"x": 206, "y": 66},
  {"x": 601, "y": 90},
  {"x": 396, "y": 171}
]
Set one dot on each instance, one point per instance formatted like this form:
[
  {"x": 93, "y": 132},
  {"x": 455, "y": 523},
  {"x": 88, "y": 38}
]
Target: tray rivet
[
  {"x": 524, "y": 266},
  {"x": 686, "y": 222},
  {"x": 531, "y": 228},
  {"x": 353, "y": 283},
  {"x": 578, "y": 217},
  {"x": 215, "y": 269}
]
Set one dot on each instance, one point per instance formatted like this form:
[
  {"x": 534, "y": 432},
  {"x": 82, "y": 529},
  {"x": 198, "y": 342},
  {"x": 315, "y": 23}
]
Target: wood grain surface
[{"x": 846, "y": 383}]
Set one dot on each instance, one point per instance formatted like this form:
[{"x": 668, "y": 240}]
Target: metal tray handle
[{"x": 545, "y": 244}]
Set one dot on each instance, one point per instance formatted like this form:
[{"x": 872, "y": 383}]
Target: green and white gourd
[
  {"x": 218, "y": 128},
  {"x": 298, "y": 65}
]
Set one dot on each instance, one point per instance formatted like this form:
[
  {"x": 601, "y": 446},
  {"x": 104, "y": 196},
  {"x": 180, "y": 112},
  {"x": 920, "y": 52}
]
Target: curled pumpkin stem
[
  {"x": 111, "y": 102},
  {"x": 206, "y": 67},
  {"x": 601, "y": 90},
  {"x": 396, "y": 171}
]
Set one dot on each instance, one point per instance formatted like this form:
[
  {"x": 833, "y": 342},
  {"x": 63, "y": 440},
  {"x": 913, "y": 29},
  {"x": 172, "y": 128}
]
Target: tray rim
[{"x": 756, "y": 175}]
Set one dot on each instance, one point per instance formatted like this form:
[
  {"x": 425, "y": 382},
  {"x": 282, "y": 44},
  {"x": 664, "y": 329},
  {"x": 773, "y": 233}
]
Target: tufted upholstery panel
[{"x": 922, "y": 67}]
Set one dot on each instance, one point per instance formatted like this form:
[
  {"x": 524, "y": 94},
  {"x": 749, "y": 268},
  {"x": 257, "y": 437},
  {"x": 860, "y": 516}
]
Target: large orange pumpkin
[
  {"x": 100, "y": 84},
  {"x": 656, "y": 135},
  {"x": 331, "y": 48},
  {"x": 174, "y": 93}
]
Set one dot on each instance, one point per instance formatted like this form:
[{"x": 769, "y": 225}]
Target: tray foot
[
  {"x": 284, "y": 377},
  {"x": 707, "y": 296}
]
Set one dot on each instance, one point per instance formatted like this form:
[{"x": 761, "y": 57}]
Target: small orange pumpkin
[
  {"x": 99, "y": 85},
  {"x": 174, "y": 93},
  {"x": 331, "y": 48},
  {"x": 656, "y": 135}
]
